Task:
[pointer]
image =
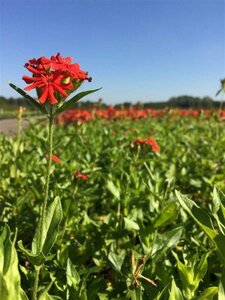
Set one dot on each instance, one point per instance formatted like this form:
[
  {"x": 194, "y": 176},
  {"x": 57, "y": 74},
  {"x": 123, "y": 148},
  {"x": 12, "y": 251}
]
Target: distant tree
[
  {"x": 183, "y": 101},
  {"x": 191, "y": 102}
]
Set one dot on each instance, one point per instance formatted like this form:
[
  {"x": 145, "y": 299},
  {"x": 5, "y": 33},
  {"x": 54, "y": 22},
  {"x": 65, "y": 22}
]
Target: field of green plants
[{"x": 143, "y": 210}]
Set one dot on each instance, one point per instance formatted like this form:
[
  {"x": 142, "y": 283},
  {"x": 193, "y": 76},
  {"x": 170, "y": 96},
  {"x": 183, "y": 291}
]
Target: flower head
[
  {"x": 54, "y": 78},
  {"x": 149, "y": 141},
  {"x": 152, "y": 142},
  {"x": 139, "y": 141},
  {"x": 54, "y": 158},
  {"x": 80, "y": 176}
]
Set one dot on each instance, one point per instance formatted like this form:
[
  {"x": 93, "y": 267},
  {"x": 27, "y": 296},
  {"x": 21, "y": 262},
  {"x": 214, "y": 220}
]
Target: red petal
[
  {"x": 44, "y": 95},
  {"x": 59, "y": 89},
  {"x": 34, "y": 86},
  {"x": 52, "y": 98},
  {"x": 28, "y": 79}
]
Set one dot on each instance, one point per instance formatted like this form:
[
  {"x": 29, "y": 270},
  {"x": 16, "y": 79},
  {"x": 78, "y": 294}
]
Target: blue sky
[{"x": 137, "y": 50}]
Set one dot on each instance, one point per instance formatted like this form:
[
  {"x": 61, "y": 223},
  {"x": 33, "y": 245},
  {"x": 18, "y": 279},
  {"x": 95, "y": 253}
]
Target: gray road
[{"x": 10, "y": 126}]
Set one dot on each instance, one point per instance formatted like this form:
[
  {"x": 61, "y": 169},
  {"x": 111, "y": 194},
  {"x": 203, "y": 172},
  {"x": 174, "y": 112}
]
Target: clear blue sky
[{"x": 147, "y": 50}]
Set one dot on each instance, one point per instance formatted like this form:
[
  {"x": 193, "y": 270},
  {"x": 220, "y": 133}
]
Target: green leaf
[
  {"x": 215, "y": 201},
  {"x": 23, "y": 296},
  {"x": 29, "y": 98},
  {"x": 103, "y": 296},
  {"x": 162, "y": 292},
  {"x": 200, "y": 268},
  {"x": 44, "y": 241},
  {"x": 113, "y": 189},
  {"x": 69, "y": 103},
  {"x": 205, "y": 222},
  {"x": 73, "y": 278},
  {"x": 44, "y": 295},
  {"x": 186, "y": 274},
  {"x": 199, "y": 215},
  {"x": 218, "y": 210},
  {"x": 165, "y": 241},
  {"x": 36, "y": 259},
  {"x": 221, "y": 293},
  {"x": 208, "y": 294},
  {"x": 9, "y": 272},
  {"x": 169, "y": 213},
  {"x": 130, "y": 225},
  {"x": 218, "y": 92},
  {"x": 175, "y": 292},
  {"x": 116, "y": 260}
]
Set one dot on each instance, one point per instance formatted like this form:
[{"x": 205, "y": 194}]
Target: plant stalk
[
  {"x": 44, "y": 206},
  {"x": 36, "y": 280},
  {"x": 138, "y": 294},
  {"x": 49, "y": 163}
]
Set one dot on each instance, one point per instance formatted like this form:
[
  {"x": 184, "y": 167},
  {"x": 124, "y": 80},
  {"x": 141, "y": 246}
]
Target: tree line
[{"x": 183, "y": 102}]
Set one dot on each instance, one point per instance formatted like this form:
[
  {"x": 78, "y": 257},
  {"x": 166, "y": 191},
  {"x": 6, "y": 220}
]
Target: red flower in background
[
  {"x": 150, "y": 141},
  {"x": 139, "y": 141},
  {"x": 80, "y": 176},
  {"x": 54, "y": 78},
  {"x": 54, "y": 158}
]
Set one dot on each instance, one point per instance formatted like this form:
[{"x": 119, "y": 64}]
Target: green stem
[
  {"x": 44, "y": 206},
  {"x": 47, "y": 179},
  {"x": 50, "y": 141},
  {"x": 36, "y": 280},
  {"x": 138, "y": 294}
]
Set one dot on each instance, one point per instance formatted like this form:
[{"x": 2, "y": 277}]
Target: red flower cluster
[
  {"x": 80, "y": 176},
  {"x": 85, "y": 115},
  {"x": 54, "y": 158},
  {"x": 150, "y": 141},
  {"x": 54, "y": 78}
]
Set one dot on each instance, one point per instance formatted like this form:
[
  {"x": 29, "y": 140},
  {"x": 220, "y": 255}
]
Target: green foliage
[
  {"x": 127, "y": 208},
  {"x": 205, "y": 221},
  {"x": 9, "y": 273},
  {"x": 191, "y": 273},
  {"x": 175, "y": 292}
]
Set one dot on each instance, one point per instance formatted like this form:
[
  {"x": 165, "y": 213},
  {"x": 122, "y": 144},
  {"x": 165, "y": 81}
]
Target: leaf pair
[
  {"x": 66, "y": 105},
  {"x": 44, "y": 240}
]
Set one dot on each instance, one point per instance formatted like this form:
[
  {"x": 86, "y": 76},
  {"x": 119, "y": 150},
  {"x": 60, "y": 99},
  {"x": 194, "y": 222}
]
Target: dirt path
[{"x": 10, "y": 126}]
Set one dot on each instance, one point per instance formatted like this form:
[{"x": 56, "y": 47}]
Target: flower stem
[
  {"x": 44, "y": 206},
  {"x": 47, "y": 179},
  {"x": 36, "y": 280}
]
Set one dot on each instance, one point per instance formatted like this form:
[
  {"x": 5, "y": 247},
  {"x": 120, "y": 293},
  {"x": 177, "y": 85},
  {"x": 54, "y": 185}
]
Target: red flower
[
  {"x": 80, "y": 176},
  {"x": 65, "y": 64},
  {"x": 149, "y": 141},
  {"x": 48, "y": 85},
  {"x": 152, "y": 142},
  {"x": 139, "y": 141},
  {"x": 54, "y": 158},
  {"x": 54, "y": 78}
]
